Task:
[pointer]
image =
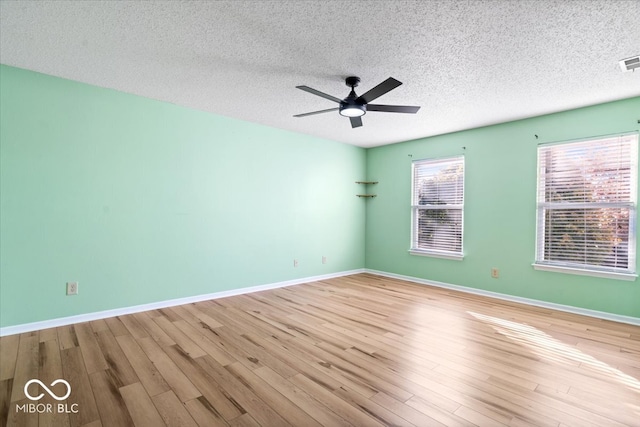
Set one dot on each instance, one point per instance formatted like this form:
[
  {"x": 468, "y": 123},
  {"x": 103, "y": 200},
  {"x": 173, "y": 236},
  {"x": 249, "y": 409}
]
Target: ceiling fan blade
[
  {"x": 393, "y": 108},
  {"x": 317, "y": 92},
  {"x": 356, "y": 122},
  {"x": 317, "y": 112},
  {"x": 379, "y": 90}
]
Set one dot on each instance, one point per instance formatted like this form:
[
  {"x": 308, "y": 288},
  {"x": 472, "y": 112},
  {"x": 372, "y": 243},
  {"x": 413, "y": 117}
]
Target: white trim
[
  {"x": 415, "y": 208},
  {"x": 434, "y": 254},
  {"x": 594, "y": 273},
  {"x": 537, "y": 303},
  {"x": 542, "y": 207},
  {"x": 591, "y": 138},
  {"x": 63, "y": 321}
]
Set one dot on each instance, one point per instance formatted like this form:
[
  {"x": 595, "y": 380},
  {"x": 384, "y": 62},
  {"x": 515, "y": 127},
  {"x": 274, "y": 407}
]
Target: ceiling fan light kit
[
  {"x": 353, "y": 110},
  {"x": 354, "y": 106}
]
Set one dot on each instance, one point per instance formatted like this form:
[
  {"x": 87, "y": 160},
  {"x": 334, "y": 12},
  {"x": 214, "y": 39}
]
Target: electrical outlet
[
  {"x": 72, "y": 288},
  {"x": 324, "y": 259},
  {"x": 495, "y": 273},
  {"x": 295, "y": 262}
]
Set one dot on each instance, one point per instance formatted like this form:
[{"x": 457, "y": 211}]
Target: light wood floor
[{"x": 360, "y": 350}]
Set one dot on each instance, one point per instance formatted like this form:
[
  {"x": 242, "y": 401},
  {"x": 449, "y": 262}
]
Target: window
[
  {"x": 587, "y": 207},
  {"x": 437, "y": 206}
]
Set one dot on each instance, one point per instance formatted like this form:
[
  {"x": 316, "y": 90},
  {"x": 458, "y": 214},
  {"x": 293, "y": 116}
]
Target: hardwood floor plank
[
  {"x": 210, "y": 386},
  {"x": 169, "y": 314},
  {"x": 153, "y": 329},
  {"x": 50, "y": 370},
  {"x": 116, "y": 327},
  {"x": 146, "y": 371},
  {"x": 197, "y": 334},
  {"x": 177, "y": 380},
  {"x": 116, "y": 360},
  {"x": 284, "y": 354},
  {"x": 202, "y": 316},
  {"x": 337, "y": 405},
  {"x": 305, "y": 401},
  {"x": 223, "y": 339},
  {"x": 112, "y": 408},
  {"x": 5, "y": 400},
  {"x": 75, "y": 373},
  {"x": 22, "y": 418},
  {"x": 379, "y": 379},
  {"x": 204, "y": 413},
  {"x": 546, "y": 407},
  {"x": 319, "y": 370},
  {"x": 302, "y": 362},
  {"x": 48, "y": 334},
  {"x": 246, "y": 420},
  {"x": 140, "y": 407},
  {"x": 374, "y": 410},
  {"x": 133, "y": 326},
  {"x": 336, "y": 369},
  {"x": 179, "y": 337},
  {"x": 67, "y": 337},
  {"x": 234, "y": 332},
  {"x": 283, "y": 406},
  {"x": 99, "y": 325},
  {"x": 184, "y": 315},
  {"x": 261, "y": 326},
  {"x": 477, "y": 418},
  {"x": 436, "y": 412},
  {"x": 172, "y": 411},
  {"x": 26, "y": 365},
  {"x": 242, "y": 393},
  {"x": 621, "y": 411},
  {"x": 405, "y": 411},
  {"x": 91, "y": 352},
  {"x": 8, "y": 356}
]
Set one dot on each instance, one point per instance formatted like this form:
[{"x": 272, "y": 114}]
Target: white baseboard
[
  {"x": 560, "y": 307},
  {"x": 46, "y": 324}
]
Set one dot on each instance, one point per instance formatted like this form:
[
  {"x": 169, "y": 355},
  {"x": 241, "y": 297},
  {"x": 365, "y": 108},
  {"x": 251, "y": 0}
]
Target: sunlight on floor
[{"x": 545, "y": 346}]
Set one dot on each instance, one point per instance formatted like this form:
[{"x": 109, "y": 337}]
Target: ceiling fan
[{"x": 354, "y": 106}]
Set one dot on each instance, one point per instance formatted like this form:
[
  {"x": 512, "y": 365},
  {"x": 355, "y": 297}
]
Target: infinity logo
[{"x": 52, "y": 394}]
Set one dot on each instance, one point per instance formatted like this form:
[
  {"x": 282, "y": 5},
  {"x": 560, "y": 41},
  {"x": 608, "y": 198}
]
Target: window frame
[
  {"x": 415, "y": 208},
  {"x": 542, "y": 206}
]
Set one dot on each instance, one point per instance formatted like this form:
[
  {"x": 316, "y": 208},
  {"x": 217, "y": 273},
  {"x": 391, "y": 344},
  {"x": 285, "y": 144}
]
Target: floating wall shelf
[{"x": 366, "y": 183}]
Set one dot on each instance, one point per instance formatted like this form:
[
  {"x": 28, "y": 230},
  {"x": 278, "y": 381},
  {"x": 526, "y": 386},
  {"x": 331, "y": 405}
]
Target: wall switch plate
[
  {"x": 295, "y": 262},
  {"x": 495, "y": 273},
  {"x": 72, "y": 288},
  {"x": 324, "y": 259}
]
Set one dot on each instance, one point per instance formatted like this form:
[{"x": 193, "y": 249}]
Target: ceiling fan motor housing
[{"x": 350, "y": 106}]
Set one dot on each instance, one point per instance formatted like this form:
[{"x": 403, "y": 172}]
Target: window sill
[
  {"x": 433, "y": 254},
  {"x": 594, "y": 273}
]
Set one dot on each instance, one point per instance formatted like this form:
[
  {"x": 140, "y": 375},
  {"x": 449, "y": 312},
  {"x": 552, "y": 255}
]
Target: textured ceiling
[{"x": 467, "y": 63}]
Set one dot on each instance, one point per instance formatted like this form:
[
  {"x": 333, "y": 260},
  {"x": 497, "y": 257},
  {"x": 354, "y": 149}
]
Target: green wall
[
  {"x": 144, "y": 201},
  {"x": 500, "y": 209}
]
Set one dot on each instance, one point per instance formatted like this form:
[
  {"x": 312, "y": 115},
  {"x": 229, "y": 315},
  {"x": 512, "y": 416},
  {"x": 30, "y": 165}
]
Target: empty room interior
[{"x": 284, "y": 213}]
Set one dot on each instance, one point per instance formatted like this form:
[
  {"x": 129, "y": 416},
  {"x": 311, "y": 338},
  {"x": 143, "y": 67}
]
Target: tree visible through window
[
  {"x": 437, "y": 207},
  {"x": 587, "y": 204}
]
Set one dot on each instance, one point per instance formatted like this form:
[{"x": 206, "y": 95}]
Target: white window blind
[
  {"x": 437, "y": 207},
  {"x": 587, "y": 194}
]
